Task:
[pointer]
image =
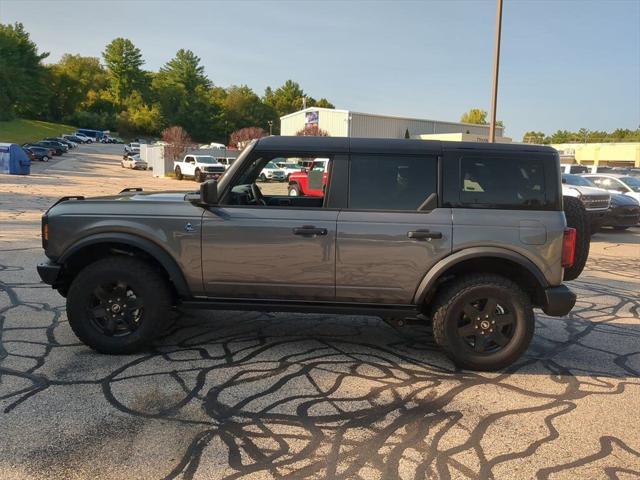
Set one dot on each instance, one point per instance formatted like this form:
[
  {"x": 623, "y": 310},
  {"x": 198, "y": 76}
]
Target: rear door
[{"x": 385, "y": 242}]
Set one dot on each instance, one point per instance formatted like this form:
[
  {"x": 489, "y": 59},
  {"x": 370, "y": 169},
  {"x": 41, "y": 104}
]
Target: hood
[
  {"x": 620, "y": 200},
  {"x": 144, "y": 196},
  {"x": 586, "y": 190}
]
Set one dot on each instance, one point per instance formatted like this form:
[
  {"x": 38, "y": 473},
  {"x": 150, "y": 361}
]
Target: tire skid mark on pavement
[{"x": 316, "y": 395}]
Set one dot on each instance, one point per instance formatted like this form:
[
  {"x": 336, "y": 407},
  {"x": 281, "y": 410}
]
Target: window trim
[{"x": 426, "y": 155}]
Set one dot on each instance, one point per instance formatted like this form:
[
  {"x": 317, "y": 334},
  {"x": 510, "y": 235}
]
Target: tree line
[
  {"x": 117, "y": 93},
  {"x": 583, "y": 136}
]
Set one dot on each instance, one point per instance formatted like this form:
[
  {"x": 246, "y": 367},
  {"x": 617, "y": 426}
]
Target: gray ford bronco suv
[{"x": 468, "y": 236}]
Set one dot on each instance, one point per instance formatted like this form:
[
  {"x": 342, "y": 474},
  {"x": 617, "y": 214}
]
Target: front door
[
  {"x": 269, "y": 252},
  {"x": 386, "y": 242},
  {"x": 260, "y": 243}
]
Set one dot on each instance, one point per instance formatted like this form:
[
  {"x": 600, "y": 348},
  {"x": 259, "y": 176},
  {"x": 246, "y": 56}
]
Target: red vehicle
[{"x": 310, "y": 183}]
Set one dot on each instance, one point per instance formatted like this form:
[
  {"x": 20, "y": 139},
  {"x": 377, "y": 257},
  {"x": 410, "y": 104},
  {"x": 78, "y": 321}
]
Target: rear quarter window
[{"x": 504, "y": 181}]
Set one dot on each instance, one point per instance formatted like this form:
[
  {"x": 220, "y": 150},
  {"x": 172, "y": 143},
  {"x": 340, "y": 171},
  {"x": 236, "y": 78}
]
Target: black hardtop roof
[{"x": 302, "y": 144}]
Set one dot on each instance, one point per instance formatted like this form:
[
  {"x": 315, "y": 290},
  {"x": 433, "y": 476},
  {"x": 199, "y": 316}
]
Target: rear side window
[
  {"x": 502, "y": 183},
  {"x": 379, "y": 182}
]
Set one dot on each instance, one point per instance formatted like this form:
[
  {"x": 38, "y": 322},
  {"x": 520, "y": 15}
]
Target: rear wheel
[
  {"x": 179, "y": 173},
  {"x": 483, "y": 322},
  {"x": 45, "y": 158},
  {"x": 118, "y": 305},
  {"x": 577, "y": 218}
]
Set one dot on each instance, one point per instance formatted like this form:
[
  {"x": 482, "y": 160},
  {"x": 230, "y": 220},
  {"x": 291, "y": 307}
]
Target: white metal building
[{"x": 345, "y": 123}]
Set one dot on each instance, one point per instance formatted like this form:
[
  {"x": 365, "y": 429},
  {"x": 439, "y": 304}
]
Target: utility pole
[{"x": 496, "y": 69}]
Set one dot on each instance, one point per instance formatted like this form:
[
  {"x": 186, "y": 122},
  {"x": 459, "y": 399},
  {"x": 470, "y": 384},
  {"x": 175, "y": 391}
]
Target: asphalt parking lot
[{"x": 254, "y": 395}]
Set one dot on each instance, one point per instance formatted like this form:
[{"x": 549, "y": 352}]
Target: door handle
[
  {"x": 423, "y": 234},
  {"x": 309, "y": 231}
]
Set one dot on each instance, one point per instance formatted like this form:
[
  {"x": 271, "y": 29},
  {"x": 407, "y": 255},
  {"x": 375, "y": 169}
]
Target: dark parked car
[
  {"x": 61, "y": 140},
  {"x": 54, "y": 144},
  {"x": 55, "y": 148},
  {"x": 39, "y": 153},
  {"x": 623, "y": 213},
  {"x": 29, "y": 153},
  {"x": 471, "y": 236}
]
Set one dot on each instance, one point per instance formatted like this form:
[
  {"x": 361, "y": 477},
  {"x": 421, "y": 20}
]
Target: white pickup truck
[{"x": 200, "y": 167}]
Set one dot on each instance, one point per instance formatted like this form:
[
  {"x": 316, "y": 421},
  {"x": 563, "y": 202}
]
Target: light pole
[
  {"x": 270, "y": 122},
  {"x": 496, "y": 68}
]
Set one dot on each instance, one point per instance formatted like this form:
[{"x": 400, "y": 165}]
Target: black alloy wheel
[{"x": 115, "y": 309}]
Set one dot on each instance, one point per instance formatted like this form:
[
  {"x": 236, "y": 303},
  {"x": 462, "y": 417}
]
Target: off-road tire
[
  {"x": 178, "y": 173},
  {"x": 577, "y": 218},
  {"x": 294, "y": 190},
  {"x": 445, "y": 322},
  {"x": 150, "y": 288}
]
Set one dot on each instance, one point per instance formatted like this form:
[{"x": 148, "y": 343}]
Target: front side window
[
  {"x": 502, "y": 183},
  {"x": 305, "y": 187},
  {"x": 380, "y": 182}
]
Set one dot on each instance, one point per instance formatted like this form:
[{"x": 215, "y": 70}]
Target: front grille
[
  {"x": 214, "y": 169},
  {"x": 595, "y": 201}
]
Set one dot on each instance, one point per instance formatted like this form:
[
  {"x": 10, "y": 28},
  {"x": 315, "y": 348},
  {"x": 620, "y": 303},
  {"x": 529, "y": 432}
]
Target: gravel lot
[{"x": 253, "y": 395}]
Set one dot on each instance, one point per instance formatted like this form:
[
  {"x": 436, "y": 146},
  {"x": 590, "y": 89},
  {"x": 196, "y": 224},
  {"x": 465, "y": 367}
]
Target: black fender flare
[
  {"x": 149, "y": 247},
  {"x": 432, "y": 276}
]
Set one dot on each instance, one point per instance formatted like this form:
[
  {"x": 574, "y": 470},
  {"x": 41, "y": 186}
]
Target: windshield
[
  {"x": 203, "y": 159},
  {"x": 577, "y": 180},
  {"x": 632, "y": 182},
  {"x": 271, "y": 165}
]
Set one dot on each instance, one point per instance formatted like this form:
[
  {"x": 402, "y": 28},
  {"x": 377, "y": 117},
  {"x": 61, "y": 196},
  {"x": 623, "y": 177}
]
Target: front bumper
[
  {"x": 597, "y": 218},
  {"x": 49, "y": 272},
  {"x": 623, "y": 217},
  {"x": 558, "y": 301}
]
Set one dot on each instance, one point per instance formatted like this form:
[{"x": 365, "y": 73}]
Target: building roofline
[{"x": 395, "y": 117}]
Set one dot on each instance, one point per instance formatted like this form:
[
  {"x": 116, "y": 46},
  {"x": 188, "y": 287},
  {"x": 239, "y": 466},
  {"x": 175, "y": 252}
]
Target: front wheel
[
  {"x": 198, "y": 176},
  {"x": 45, "y": 158},
  {"x": 294, "y": 190},
  {"x": 118, "y": 305},
  {"x": 483, "y": 322}
]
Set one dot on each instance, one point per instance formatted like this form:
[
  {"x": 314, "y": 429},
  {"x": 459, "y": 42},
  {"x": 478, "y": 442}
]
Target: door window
[{"x": 380, "y": 182}]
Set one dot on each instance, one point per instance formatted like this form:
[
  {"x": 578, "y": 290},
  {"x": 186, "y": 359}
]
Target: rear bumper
[
  {"x": 558, "y": 301},
  {"x": 49, "y": 272}
]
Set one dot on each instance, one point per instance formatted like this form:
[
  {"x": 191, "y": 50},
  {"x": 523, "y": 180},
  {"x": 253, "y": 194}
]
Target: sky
[{"x": 565, "y": 64}]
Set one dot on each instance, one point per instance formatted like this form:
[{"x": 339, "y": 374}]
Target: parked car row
[
  {"x": 579, "y": 169},
  {"x": 610, "y": 200}
]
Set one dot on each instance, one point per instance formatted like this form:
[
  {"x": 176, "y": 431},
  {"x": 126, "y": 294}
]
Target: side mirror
[{"x": 209, "y": 192}]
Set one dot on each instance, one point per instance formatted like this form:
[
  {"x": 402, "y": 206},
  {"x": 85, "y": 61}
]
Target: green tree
[
  {"x": 72, "y": 79},
  {"x": 22, "y": 75},
  {"x": 476, "y": 116},
  {"x": 243, "y": 108},
  {"x": 533, "y": 137},
  {"x": 124, "y": 61},
  {"x": 184, "y": 70},
  {"x": 183, "y": 93}
]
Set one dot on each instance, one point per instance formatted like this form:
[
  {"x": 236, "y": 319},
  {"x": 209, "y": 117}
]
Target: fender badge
[{"x": 188, "y": 227}]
